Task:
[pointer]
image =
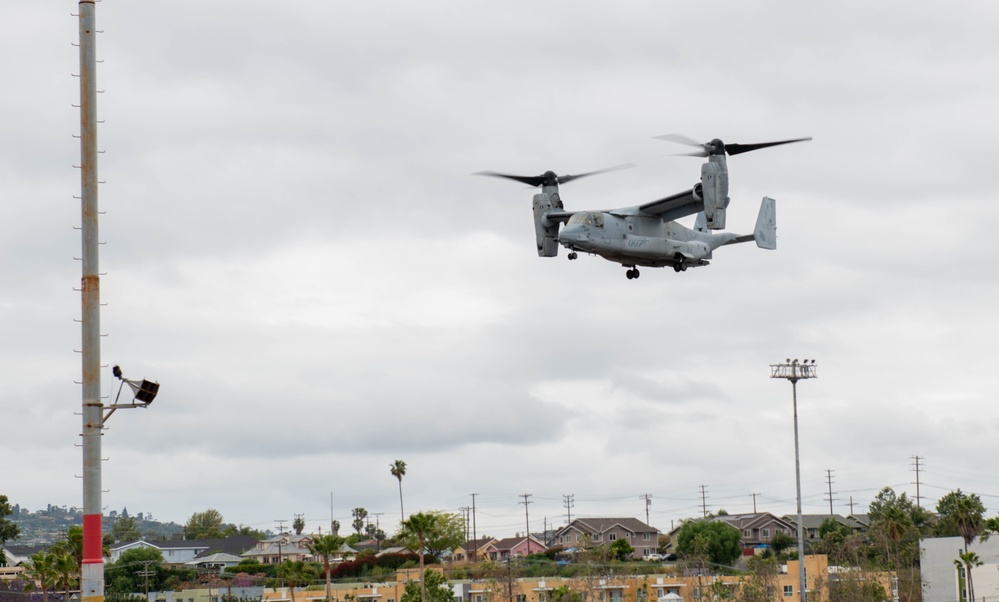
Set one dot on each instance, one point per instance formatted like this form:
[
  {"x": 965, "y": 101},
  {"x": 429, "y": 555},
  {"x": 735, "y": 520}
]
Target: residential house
[
  {"x": 19, "y": 555},
  {"x": 811, "y": 523},
  {"x": 279, "y": 548},
  {"x": 183, "y": 551},
  {"x": 597, "y": 531},
  {"x": 513, "y": 547},
  {"x": 476, "y": 549},
  {"x": 757, "y": 529},
  {"x": 215, "y": 562}
]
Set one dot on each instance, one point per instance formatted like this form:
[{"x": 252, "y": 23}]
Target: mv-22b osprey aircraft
[{"x": 648, "y": 235}]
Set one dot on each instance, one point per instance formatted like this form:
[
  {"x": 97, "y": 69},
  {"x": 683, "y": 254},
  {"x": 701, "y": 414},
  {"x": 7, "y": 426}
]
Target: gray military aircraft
[{"x": 648, "y": 234}]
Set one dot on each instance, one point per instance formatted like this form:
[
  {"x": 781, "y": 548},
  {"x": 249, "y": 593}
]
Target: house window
[
  {"x": 521, "y": 598},
  {"x": 479, "y": 598},
  {"x": 645, "y": 537},
  {"x": 612, "y": 537},
  {"x": 746, "y": 533},
  {"x": 577, "y": 537},
  {"x": 542, "y": 596},
  {"x": 616, "y": 595},
  {"x": 788, "y": 591},
  {"x": 766, "y": 534},
  {"x": 596, "y": 537}
]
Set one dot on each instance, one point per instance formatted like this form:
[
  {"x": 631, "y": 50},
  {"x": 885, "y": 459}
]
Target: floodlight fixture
[{"x": 143, "y": 393}]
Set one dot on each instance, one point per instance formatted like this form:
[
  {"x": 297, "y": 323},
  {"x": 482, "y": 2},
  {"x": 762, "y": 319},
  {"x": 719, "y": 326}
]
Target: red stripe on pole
[{"x": 92, "y": 539}]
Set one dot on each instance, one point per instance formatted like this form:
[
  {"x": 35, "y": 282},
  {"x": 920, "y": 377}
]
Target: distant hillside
[{"x": 50, "y": 525}]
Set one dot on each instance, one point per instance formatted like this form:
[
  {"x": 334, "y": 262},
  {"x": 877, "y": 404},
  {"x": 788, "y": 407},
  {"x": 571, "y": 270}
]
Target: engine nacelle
[
  {"x": 714, "y": 192},
  {"x": 545, "y": 231}
]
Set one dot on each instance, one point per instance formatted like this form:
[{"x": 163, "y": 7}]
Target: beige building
[{"x": 667, "y": 586}]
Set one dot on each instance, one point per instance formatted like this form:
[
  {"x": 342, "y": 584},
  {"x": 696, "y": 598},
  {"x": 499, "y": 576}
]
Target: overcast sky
[{"x": 296, "y": 250}]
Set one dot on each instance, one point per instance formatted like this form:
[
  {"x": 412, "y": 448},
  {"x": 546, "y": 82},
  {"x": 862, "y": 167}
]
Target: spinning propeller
[
  {"x": 550, "y": 178},
  {"x": 717, "y": 147}
]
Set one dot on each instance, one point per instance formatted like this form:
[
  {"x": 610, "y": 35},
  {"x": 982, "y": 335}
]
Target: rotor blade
[
  {"x": 529, "y": 180},
  {"x": 565, "y": 179},
  {"x": 735, "y": 149},
  {"x": 680, "y": 139}
]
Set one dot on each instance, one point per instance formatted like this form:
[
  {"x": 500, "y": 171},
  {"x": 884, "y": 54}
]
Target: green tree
[
  {"x": 398, "y": 470},
  {"x": 326, "y": 547},
  {"x": 961, "y": 514},
  {"x": 781, "y": 541},
  {"x": 415, "y": 531},
  {"x": 295, "y": 573},
  {"x": 42, "y": 570},
  {"x": 204, "y": 525},
  {"x": 124, "y": 529},
  {"x": 436, "y": 589},
  {"x": 298, "y": 525},
  {"x": 720, "y": 541},
  {"x": 67, "y": 571},
  {"x": 359, "y": 515},
  {"x": 621, "y": 549},
  {"x": 968, "y": 560},
  {"x": 759, "y": 584},
  {"x": 9, "y": 530},
  {"x": 448, "y": 533},
  {"x": 120, "y": 574}
]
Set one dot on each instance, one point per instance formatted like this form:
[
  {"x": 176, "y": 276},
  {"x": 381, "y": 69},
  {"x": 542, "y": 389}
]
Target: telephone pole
[
  {"x": 475, "y": 537},
  {"x": 527, "y": 519},
  {"x": 567, "y": 502},
  {"x": 793, "y": 371},
  {"x": 754, "y": 501},
  {"x": 916, "y": 459},
  {"x": 829, "y": 481},
  {"x": 704, "y": 500},
  {"x": 648, "y": 500}
]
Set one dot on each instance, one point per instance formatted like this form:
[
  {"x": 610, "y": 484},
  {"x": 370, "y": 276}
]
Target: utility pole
[
  {"x": 466, "y": 512},
  {"x": 916, "y": 468},
  {"x": 648, "y": 500},
  {"x": 851, "y": 505},
  {"x": 527, "y": 519},
  {"x": 92, "y": 569},
  {"x": 280, "y": 522},
  {"x": 754, "y": 501},
  {"x": 829, "y": 481},
  {"x": 795, "y": 371},
  {"x": 567, "y": 502},
  {"x": 475, "y": 536},
  {"x": 145, "y": 574},
  {"x": 704, "y": 501}
]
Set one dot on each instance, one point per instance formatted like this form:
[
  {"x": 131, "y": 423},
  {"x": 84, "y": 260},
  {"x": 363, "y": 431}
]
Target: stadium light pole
[{"x": 793, "y": 370}]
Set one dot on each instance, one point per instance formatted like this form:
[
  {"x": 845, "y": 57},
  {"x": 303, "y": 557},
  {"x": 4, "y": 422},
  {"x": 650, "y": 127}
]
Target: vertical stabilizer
[{"x": 766, "y": 225}]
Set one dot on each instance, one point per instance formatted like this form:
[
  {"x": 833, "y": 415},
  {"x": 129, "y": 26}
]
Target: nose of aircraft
[{"x": 573, "y": 233}]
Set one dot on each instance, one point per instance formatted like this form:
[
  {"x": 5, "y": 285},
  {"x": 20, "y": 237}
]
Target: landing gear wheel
[
  {"x": 572, "y": 255},
  {"x": 632, "y": 273},
  {"x": 679, "y": 265},
  {"x": 629, "y": 274}
]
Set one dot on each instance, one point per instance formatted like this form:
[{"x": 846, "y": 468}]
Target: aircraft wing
[{"x": 674, "y": 207}]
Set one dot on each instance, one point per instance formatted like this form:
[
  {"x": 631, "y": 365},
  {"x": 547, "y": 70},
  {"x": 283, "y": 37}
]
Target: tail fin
[
  {"x": 701, "y": 223},
  {"x": 766, "y": 225}
]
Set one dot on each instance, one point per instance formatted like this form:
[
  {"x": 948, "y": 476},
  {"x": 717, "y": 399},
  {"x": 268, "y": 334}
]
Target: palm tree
[
  {"x": 326, "y": 547},
  {"x": 42, "y": 570},
  {"x": 415, "y": 530},
  {"x": 969, "y": 560},
  {"x": 398, "y": 470},
  {"x": 295, "y": 572},
  {"x": 66, "y": 569}
]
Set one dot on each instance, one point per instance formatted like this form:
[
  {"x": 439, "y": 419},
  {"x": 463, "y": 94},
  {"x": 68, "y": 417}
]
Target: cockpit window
[{"x": 588, "y": 219}]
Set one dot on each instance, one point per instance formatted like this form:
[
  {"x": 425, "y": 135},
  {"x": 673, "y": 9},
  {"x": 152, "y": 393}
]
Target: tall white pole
[
  {"x": 92, "y": 578},
  {"x": 797, "y": 484},
  {"x": 793, "y": 370}
]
